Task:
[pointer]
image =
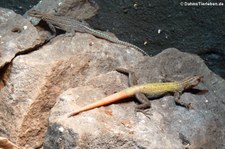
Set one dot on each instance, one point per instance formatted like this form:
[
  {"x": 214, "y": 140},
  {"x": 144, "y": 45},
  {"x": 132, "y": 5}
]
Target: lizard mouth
[{"x": 196, "y": 80}]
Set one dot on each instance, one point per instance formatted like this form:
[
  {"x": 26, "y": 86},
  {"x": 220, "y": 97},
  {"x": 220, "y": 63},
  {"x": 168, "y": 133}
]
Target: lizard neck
[
  {"x": 190, "y": 82},
  {"x": 185, "y": 83}
]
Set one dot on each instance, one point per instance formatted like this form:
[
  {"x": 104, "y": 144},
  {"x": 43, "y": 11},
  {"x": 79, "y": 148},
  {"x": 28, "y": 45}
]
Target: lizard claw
[
  {"x": 144, "y": 111},
  {"x": 189, "y": 106}
]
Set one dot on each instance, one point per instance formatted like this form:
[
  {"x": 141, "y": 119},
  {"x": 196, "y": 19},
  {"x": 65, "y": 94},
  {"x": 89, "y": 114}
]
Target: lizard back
[
  {"x": 61, "y": 22},
  {"x": 71, "y": 25}
]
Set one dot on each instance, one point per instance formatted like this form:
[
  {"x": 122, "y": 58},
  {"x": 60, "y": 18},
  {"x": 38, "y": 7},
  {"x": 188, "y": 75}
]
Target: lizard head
[
  {"x": 192, "y": 81},
  {"x": 35, "y": 13}
]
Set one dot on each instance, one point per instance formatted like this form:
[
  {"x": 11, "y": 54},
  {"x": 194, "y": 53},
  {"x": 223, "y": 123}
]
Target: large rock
[
  {"x": 71, "y": 8},
  {"x": 75, "y": 71},
  {"x": 36, "y": 79},
  {"x": 118, "y": 125},
  {"x": 17, "y": 35}
]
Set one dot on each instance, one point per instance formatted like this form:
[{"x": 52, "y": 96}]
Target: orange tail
[{"x": 105, "y": 101}]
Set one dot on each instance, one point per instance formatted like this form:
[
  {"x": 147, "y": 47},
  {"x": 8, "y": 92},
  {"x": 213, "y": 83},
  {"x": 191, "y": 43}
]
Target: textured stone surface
[
  {"x": 71, "y": 8},
  {"x": 17, "y": 35}
]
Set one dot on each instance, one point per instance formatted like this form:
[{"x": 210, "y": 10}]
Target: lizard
[
  {"x": 153, "y": 90},
  {"x": 72, "y": 25}
]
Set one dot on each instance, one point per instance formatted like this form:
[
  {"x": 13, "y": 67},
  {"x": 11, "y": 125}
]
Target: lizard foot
[
  {"x": 186, "y": 105},
  {"x": 144, "y": 111}
]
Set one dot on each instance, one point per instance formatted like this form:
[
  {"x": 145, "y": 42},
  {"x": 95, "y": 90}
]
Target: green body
[{"x": 155, "y": 89}]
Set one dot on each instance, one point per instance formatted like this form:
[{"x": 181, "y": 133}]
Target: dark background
[{"x": 193, "y": 29}]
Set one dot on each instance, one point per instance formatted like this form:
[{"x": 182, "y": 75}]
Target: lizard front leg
[
  {"x": 177, "y": 96},
  {"x": 52, "y": 28}
]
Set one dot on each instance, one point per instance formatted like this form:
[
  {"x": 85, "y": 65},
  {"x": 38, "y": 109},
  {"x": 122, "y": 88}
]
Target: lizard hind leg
[
  {"x": 145, "y": 104},
  {"x": 132, "y": 80}
]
